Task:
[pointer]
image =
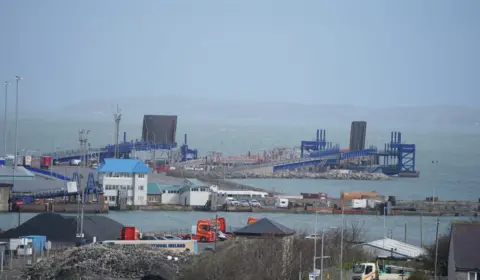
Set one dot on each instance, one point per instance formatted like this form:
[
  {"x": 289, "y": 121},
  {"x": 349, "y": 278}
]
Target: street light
[
  {"x": 15, "y": 158},
  {"x": 315, "y": 247},
  {"x": 5, "y": 119}
]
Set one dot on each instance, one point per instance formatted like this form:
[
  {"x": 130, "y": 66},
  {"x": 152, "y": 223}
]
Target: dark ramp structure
[
  {"x": 159, "y": 129},
  {"x": 264, "y": 226},
  {"x": 62, "y": 228}
]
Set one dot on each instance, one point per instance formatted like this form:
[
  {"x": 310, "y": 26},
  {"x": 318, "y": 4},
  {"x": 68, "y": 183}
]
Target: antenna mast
[{"x": 117, "y": 117}]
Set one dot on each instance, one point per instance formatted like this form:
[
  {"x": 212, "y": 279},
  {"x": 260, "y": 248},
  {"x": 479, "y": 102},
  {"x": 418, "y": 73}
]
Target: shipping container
[
  {"x": 27, "y": 160},
  {"x": 359, "y": 203},
  {"x": 38, "y": 242},
  {"x": 357, "y": 195},
  {"x": 19, "y": 160},
  {"x": 314, "y": 195},
  {"x": 46, "y": 162}
]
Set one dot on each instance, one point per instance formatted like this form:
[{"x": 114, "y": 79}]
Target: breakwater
[{"x": 217, "y": 177}]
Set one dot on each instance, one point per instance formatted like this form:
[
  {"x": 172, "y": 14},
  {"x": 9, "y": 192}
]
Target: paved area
[{"x": 163, "y": 179}]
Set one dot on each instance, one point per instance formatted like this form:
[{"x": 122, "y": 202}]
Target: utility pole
[
  {"x": 80, "y": 207},
  {"x": 436, "y": 250},
  {"x": 117, "y": 116},
  {"x": 405, "y": 232},
  {"x": 421, "y": 231}
]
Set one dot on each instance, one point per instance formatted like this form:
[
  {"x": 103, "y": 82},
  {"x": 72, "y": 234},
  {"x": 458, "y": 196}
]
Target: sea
[{"x": 448, "y": 160}]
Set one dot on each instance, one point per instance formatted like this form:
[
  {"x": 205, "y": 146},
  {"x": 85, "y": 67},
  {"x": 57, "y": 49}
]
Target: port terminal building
[
  {"x": 124, "y": 181},
  {"x": 195, "y": 193}
]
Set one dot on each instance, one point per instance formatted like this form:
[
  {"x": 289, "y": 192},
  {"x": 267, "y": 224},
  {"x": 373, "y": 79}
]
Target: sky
[{"x": 86, "y": 56}]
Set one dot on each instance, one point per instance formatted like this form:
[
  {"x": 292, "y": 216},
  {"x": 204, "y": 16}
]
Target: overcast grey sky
[{"x": 92, "y": 54}]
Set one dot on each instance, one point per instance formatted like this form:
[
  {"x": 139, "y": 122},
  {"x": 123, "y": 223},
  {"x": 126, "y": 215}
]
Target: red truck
[{"x": 46, "y": 162}]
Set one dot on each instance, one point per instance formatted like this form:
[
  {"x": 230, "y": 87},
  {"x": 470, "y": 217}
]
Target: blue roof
[
  {"x": 194, "y": 183},
  {"x": 123, "y": 165}
]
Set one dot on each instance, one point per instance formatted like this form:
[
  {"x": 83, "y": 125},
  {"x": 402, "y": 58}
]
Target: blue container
[{"x": 38, "y": 242}]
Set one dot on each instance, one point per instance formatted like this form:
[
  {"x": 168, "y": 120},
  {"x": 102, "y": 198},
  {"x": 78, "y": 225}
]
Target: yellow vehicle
[{"x": 373, "y": 271}]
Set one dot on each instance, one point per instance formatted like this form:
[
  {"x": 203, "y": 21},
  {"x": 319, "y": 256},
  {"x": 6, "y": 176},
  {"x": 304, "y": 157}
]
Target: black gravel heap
[{"x": 63, "y": 228}]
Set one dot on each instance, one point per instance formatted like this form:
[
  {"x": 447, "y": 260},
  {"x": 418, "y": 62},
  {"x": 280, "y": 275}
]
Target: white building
[
  {"x": 196, "y": 193},
  {"x": 124, "y": 180}
]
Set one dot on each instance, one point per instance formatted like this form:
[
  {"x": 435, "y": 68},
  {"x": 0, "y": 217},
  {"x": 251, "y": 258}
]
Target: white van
[{"x": 281, "y": 203}]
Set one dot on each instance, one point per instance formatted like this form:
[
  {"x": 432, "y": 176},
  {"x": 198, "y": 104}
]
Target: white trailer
[
  {"x": 27, "y": 160},
  {"x": 359, "y": 203}
]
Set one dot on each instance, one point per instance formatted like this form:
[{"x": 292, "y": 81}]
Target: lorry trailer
[{"x": 190, "y": 246}]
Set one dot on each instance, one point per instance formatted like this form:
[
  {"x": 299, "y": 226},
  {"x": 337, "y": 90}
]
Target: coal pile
[
  {"x": 100, "y": 262},
  {"x": 61, "y": 228}
]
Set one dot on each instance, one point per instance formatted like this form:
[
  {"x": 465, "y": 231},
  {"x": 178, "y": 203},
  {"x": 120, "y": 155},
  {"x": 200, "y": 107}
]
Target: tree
[{"x": 273, "y": 258}]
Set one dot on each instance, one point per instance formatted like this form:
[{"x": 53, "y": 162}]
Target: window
[
  {"x": 141, "y": 175},
  {"x": 140, "y": 188},
  {"x": 369, "y": 269},
  {"x": 473, "y": 276}
]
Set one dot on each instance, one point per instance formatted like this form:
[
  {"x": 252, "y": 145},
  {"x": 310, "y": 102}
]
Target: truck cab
[
  {"x": 371, "y": 270},
  {"x": 364, "y": 271}
]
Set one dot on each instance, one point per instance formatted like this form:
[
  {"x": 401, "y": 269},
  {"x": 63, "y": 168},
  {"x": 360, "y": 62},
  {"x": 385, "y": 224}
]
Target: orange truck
[
  {"x": 251, "y": 220},
  {"x": 210, "y": 230}
]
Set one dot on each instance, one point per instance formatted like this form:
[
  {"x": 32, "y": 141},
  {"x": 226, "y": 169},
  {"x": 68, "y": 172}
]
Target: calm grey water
[{"x": 456, "y": 176}]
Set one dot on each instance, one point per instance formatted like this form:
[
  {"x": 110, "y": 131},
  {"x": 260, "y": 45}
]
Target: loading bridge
[
  {"x": 125, "y": 149},
  {"x": 91, "y": 188},
  {"x": 48, "y": 173},
  {"x": 305, "y": 162}
]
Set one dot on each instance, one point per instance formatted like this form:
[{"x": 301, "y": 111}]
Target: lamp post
[
  {"x": 15, "y": 159},
  {"x": 341, "y": 246},
  {"x": 5, "y": 119},
  {"x": 322, "y": 249}
]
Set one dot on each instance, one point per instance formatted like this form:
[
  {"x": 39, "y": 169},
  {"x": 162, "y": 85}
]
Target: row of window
[
  {"x": 200, "y": 189},
  {"x": 122, "y": 175},
  {"x": 129, "y": 198},
  {"x": 121, "y": 187}
]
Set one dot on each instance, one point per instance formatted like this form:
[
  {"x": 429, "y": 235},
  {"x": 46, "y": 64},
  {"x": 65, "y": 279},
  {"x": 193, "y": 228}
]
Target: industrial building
[
  {"x": 159, "y": 129},
  {"x": 124, "y": 181},
  {"x": 358, "y": 133},
  {"x": 194, "y": 193}
]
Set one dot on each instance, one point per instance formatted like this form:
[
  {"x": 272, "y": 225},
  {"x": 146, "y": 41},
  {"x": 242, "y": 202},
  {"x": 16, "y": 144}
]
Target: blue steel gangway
[
  {"x": 91, "y": 187},
  {"x": 125, "y": 149}
]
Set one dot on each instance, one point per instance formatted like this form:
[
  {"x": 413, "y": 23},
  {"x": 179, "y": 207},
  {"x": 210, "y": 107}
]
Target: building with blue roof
[{"x": 124, "y": 182}]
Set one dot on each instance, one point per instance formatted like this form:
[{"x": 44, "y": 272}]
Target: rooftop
[
  {"x": 387, "y": 246},
  {"x": 123, "y": 166},
  {"x": 156, "y": 188},
  {"x": 6, "y": 174},
  {"x": 264, "y": 226}
]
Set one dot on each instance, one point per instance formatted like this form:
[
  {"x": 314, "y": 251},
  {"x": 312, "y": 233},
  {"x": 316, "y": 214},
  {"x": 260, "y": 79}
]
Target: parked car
[
  {"x": 313, "y": 236},
  {"x": 172, "y": 237},
  {"x": 255, "y": 203},
  {"x": 149, "y": 237},
  {"x": 244, "y": 203},
  {"x": 232, "y": 201}
]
